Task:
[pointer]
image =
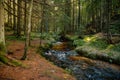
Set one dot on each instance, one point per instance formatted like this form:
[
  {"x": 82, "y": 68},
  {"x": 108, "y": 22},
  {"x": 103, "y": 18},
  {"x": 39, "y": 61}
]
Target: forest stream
[{"x": 81, "y": 67}]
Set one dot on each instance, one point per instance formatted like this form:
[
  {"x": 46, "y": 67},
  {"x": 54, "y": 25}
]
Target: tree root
[{"x": 10, "y": 61}]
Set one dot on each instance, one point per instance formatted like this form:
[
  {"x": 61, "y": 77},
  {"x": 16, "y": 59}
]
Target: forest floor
[{"x": 38, "y": 68}]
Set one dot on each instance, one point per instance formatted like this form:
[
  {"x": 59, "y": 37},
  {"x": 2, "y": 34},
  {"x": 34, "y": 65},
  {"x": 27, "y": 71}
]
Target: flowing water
[{"x": 83, "y": 68}]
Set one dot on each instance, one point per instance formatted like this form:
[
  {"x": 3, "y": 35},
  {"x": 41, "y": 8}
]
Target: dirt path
[{"x": 38, "y": 67}]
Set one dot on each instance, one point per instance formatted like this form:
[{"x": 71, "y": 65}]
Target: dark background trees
[{"x": 67, "y": 15}]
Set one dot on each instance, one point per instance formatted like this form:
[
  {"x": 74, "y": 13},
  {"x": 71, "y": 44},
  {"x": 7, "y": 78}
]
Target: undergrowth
[
  {"x": 22, "y": 38},
  {"x": 95, "y": 46}
]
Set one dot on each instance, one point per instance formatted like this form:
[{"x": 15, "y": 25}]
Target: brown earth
[{"x": 38, "y": 68}]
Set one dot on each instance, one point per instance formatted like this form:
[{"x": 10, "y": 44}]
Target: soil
[{"x": 38, "y": 68}]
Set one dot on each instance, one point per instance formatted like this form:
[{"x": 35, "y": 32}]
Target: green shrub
[
  {"x": 110, "y": 54},
  {"x": 35, "y": 35},
  {"x": 22, "y": 38},
  {"x": 68, "y": 70},
  {"x": 51, "y": 37},
  {"x": 78, "y": 42},
  {"x": 114, "y": 28},
  {"x": 43, "y": 48},
  {"x": 75, "y": 37},
  {"x": 110, "y": 46},
  {"x": 116, "y": 47},
  {"x": 99, "y": 43},
  {"x": 89, "y": 38}
]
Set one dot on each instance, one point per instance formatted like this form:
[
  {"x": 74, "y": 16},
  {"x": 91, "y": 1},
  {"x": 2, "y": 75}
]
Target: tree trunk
[
  {"x": 68, "y": 14},
  {"x": 2, "y": 36},
  {"x": 73, "y": 17},
  {"x": 101, "y": 16},
  {"x": 19, "y": 21},
  {"x": 28, "y": 30},
  {"x": 14, "y": 18},
  {"x": 8, "y": 14},
  {"x": 25, "y": 16},
  {"x": 108, "y": 21},
  {"x": 79, "y": 15}
]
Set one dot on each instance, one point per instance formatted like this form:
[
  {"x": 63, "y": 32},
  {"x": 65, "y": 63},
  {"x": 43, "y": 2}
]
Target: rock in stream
[{"x": 82, "y": 68}]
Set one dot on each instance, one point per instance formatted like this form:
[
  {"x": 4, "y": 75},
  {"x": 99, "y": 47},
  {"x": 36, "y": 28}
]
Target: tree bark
[
  {"x": 2, "y": 36},
  {"x": 73, "y": 17},
  {"x": 79, "y": 15},
  {"x": 28, "y": 30},
  {"x": 25, "y": 17},
  {"x": 68, "y": 14},
  {"x": 14, "y": 18},
  {"x": 19, "y": 21},
  {"x": 101, "y": 16},
  {"x": 108, "y": 21}
]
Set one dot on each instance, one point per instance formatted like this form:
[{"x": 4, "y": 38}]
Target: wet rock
[{"x": 82, "y": 68}]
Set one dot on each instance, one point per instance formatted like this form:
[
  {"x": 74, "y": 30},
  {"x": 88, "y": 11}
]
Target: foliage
[
  {"x": 79, "y": 42},
  {"x": 49, "y": 40},
  {"x": 22, "y": 38},
  {"x": 98, "y": 43},
  {"x": 94, "y": 53},
  {"x": 115, "y": 27},
  {"x": 96, "y": 47},
  {"x": 68, "y": 70},
  {"x": 116, "y": 47},
  {"x": 72, "y": 37},
  {"x": 35, "y": 35},
  {"x": 89, "y": 38},
  {"x": 52, "y": 37},
  {"x": 43, "y": 48}
]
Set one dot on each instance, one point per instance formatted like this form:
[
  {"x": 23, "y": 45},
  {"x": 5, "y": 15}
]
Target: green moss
[
  {"x": 51, "y": 37},
  {"x": 16, "y": 63},
  {"x": 40, "y": 50},
  {"x": 67, "y": 70},
  {"x": 110, "y": 46},
  {"x": 3, "y": 59},
  {"x": 96, "y": 47},
  {"x": 99, "y": 43},
  {"x": 93, "y": 56},
  {"x": 73, "y": 37},
  {"x": 2, "y": 48},
  {"x": 118, "y": 58},
  {"x": 79, "y": 42},
  {"x": 116, "y": 47},
  {"x": 35, "y": 35},
  {"x": 110, "y": 54},
  {"x": 7, "y": 61},
  {"x": 1, "y": 63},
  {"x": 43, "y": 48}
]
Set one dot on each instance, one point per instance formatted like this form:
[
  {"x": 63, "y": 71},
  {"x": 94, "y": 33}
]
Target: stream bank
[{"x": 81, "y": 67}]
